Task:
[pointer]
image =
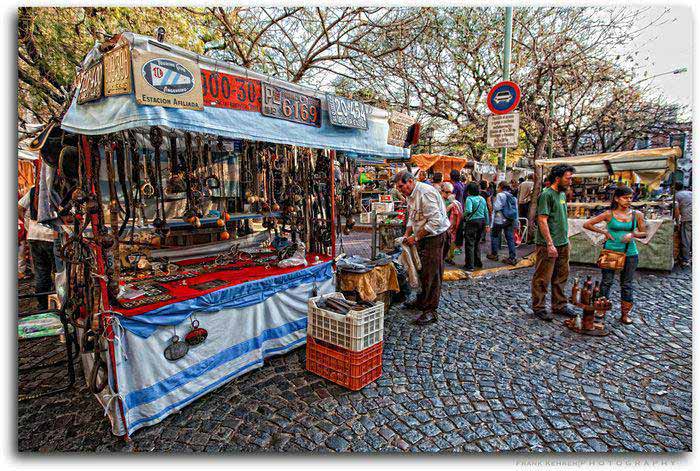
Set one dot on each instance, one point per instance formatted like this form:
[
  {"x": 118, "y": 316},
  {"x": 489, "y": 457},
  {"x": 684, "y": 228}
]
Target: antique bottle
[
  {"x": 578, "y": 322},
  {"x": 585, "y": 293},
  {"x": 596, "y": 291},
  {"x": 575, "y": 291}
]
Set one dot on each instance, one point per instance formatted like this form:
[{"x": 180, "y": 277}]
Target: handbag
[{"x": 612, "y": 259}]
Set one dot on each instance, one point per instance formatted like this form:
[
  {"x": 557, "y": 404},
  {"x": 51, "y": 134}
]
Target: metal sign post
[{"x": 506, "y": 71}]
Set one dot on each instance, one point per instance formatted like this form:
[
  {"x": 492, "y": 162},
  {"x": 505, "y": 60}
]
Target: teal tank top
[{"x": 618, "y": 230}]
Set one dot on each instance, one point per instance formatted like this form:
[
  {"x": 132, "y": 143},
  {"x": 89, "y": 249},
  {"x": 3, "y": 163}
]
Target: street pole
[
  {"x": 551, "y": 118},
  {"x": 506, "y": 71}
]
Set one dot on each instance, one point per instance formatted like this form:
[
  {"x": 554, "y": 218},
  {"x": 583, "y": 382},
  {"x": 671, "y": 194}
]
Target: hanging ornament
[
  {"x": 176, "y": 349},
  {"x": 197, "y": 335},
  {"x": 220, "y": 222},
  {"x": 225, "y": 235}
]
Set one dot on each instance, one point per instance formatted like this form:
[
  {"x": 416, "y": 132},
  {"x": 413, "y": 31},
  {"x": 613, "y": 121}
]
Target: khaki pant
[{"x": 549, "y": 270}]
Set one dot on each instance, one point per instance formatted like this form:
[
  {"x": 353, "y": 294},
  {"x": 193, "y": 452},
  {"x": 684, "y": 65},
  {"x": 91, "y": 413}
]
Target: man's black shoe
[
  {"x": 426, "y": 318},
  {"x": 565, "y": 311},
  {"x": 544, "y": 315}
]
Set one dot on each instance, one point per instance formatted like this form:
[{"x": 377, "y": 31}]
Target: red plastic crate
[{"x": 353, "y": 370}]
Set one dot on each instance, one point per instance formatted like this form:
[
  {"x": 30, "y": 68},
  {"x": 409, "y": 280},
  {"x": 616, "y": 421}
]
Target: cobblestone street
[{"x": 487, "y": 377}]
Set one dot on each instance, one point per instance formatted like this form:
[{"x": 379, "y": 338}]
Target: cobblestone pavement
[{"x": 488, "y": 377}]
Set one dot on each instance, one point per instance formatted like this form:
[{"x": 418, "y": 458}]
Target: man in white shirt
[
  {"x": 426, "y": 226},
  {"x": 40, "y": 238}
]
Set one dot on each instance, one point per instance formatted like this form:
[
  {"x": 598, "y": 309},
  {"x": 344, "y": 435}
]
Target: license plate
[
  {"x": 91, "y": 84},
  {"x": 117, "y": 71}
]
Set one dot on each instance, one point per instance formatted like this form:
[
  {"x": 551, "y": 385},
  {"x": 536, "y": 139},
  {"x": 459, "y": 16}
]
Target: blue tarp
[
  {"x": 234, "y": 297},
  {"x": 118, "y": 113}
]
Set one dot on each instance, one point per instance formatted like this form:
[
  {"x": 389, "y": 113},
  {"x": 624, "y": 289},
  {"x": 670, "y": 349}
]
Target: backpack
[{"x": 510, "y": 209}]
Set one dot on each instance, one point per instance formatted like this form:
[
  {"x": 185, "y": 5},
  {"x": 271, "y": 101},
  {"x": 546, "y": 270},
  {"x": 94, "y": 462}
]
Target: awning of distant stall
[
  {"x": 649, "y": 165},
  {"x": 116, "y": 113},
  {"x": 439, "y": 163}
]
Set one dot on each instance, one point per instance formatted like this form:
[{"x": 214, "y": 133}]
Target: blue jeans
[
  {"x": 496, "y": 238},
  {"x": 626, "y": 279}
]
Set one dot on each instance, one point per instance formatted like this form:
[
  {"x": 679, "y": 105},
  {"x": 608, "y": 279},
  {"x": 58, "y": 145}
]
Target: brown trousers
[
  {"x": 432, "y": 251},
  {"x": 554, "y": 271}
]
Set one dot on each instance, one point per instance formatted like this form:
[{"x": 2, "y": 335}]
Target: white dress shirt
[{"x": 426, "y": 210}]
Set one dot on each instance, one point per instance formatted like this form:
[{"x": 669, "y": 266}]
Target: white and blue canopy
[{"x": 117, "y": 113}]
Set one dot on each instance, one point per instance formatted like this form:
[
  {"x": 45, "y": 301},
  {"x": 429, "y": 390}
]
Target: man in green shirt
[{"x": 552, "y": 239}]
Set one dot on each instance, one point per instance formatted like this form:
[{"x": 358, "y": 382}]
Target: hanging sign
[
  {"x": 281, "y": 103},
  {"x": 503, "y": 130},
  {"x": 346, "y": 113},
  {"x": 504, "y": 97},
  {"x": 167, "y": 81},
  {"x": 399, "y": 129},
  {"x": 90, "y": 84},
  {"x": 117, "y": 71},
  {"x": 229, "y": 91}
]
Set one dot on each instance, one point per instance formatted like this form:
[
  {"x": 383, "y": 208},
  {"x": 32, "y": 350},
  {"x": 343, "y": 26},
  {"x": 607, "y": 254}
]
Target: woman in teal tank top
[{"x": 623, "y": 226}]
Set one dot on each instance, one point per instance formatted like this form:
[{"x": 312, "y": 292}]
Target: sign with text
[
  {"x": 347, "y": 113},
  {"x": 90, "y": 84},
  {"x": 229, "y": 91},
  {"x": 285, "y": 104},
  {"x": 399, "y": 127},
  {"x": 161, "y": 80},
  {"x": 117, "y": 71},
  {"x": 503, "y": 130}
]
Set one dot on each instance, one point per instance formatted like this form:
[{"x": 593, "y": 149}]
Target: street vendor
[{"x": 427, "y": 226}]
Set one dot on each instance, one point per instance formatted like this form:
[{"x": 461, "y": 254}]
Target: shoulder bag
[{"x": 612, "y": 259}]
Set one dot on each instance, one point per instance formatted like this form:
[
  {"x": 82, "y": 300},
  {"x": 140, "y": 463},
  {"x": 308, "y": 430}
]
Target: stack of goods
[
  {"x": 344, "y": 340},
  {"x": 589, "y": 298}
]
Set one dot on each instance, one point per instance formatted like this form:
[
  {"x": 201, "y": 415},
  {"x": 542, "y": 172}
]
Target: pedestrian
[
  {"x": 623, "y": 226},
  {"x": 460, "y": 195},
  {"x": 476, "y": 223},
  {"x": 683, "y": 214},
  {"x": 504, "y": 220},
  {"x": 458, "y": 186},
  {"x": 485, "y": 193},
  {"x": 525, "y": 196},
  {"x": 437, "y": 180},
  {"x": 513, "y": 189},
  {"x": 552, "y": 245},
  {"x": 454, "y": 214},
  {"x": 426, "y": 226},
  {"x": 40, "y": 238}
]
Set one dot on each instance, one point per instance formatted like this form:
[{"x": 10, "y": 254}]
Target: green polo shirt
[{"x": 553, "y": 205}]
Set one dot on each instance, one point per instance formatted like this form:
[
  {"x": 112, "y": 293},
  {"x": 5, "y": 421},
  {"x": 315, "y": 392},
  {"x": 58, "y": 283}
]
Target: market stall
[
  {"x": 200, "y": 215},
  {"x": 596, "y": 177},
  {"x": 439, "y": 163}
]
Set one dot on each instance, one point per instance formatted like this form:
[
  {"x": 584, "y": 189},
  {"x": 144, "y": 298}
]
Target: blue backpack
[{"x": 510, "y": 210}]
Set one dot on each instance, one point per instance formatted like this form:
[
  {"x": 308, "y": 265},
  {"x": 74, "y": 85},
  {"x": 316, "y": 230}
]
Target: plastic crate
[
  {"x": 355, "y": 331},
  {"x": 353, "y": 370}
]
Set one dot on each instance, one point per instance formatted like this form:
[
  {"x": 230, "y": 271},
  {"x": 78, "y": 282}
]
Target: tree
[
  {"x": 309, "y": 45},
  {"x": 52, "y": 43}
]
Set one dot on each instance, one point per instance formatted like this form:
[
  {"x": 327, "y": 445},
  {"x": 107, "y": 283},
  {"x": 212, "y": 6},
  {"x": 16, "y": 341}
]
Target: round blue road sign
[{"x": 504, "y": 97}]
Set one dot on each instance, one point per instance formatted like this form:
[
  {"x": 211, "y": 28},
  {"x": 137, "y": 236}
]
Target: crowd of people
[
  {"x": 477, "y": 209},
  {"x": 435, "y": 226}
]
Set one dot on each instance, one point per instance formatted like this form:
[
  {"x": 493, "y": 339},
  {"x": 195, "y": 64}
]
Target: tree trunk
[{"x": 537, "y": 189}]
